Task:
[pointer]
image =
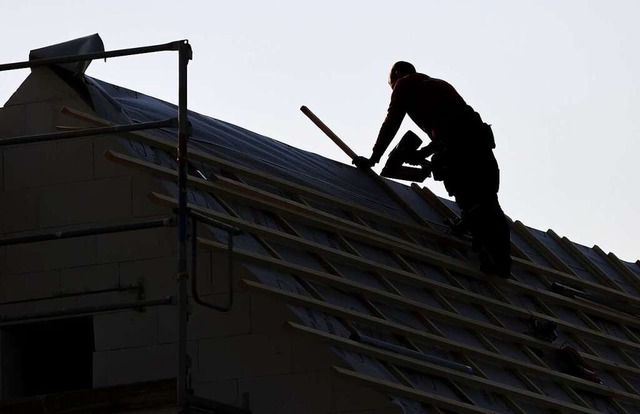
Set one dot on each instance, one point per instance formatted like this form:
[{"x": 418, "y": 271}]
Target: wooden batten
[
  {"x": 439, "y": 371},
  {"x": 444, "y": 343},
  {"x": 345, "y": 230}
]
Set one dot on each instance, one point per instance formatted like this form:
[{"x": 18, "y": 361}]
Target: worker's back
[{"x": 434, "y": 105}]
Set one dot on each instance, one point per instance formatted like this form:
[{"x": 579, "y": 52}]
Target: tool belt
[{"x": 458, "y": 147}]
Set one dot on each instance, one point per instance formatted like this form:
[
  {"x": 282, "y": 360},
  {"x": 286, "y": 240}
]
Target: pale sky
[{"x": 557, "y": 79}]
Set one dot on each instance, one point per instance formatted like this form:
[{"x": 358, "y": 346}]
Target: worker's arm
[{"x": 390, "y": 126}]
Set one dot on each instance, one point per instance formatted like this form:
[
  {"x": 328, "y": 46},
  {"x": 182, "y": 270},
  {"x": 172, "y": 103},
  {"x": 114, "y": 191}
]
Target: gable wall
[
  {"x": 244, "y": 357},
  {"x": 68, "y": 184}
]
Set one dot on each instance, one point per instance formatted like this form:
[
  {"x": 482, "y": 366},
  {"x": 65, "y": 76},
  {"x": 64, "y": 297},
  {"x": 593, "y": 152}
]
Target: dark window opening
[{"x": 47, "y": 357}]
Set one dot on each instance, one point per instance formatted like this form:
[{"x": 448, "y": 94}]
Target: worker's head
[{"x": 399, "y": 70}]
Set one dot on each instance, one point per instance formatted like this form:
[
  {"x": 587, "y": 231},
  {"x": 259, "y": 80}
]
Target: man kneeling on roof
[{"x": 462, "y": 148}]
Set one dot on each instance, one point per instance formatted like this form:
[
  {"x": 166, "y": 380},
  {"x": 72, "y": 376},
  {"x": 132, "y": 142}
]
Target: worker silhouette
[{"x": 461, "y": 151}]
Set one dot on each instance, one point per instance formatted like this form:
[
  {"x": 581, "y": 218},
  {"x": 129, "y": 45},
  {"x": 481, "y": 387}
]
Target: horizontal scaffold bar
[
  {"x": 85, "y": 132},
  {"x": 88, "y": 231},
  {"x": 92, "y": 56},
  {"x": 69, "y": 312}
]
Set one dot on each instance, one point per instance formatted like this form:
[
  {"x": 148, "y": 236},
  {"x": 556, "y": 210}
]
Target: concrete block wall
[
  {"x": 268, "y": 368},
  {"x": 68, "y": 184},
  {"x": 244, "y": 357}
]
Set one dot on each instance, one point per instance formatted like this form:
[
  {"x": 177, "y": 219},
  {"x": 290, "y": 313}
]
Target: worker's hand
[{"x": 363, "y": 162}]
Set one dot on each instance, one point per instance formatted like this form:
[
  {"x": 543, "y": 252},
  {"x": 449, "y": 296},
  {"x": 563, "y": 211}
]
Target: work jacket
[{"x": 436, "y": 108}]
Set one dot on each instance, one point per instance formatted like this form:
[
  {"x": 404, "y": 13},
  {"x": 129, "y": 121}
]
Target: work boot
[{"x": 492, "y": 233}]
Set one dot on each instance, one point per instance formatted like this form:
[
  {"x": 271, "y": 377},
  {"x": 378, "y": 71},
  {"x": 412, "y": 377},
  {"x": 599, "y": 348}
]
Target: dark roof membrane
[{"x": 80, "y": 46}]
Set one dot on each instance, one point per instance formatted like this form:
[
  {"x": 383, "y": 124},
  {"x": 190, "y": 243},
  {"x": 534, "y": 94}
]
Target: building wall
[
  {"x": 61, "y": 185},
  {"x": 244, "y": 357}
]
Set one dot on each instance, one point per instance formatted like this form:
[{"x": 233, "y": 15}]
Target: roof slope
[{"x": 368, "y": 268}]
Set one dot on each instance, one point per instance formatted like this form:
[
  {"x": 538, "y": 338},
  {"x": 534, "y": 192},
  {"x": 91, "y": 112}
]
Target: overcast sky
[{"x": 557, "y": 79}]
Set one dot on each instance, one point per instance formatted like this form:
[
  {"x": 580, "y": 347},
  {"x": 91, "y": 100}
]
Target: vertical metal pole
[{"x": 184, "y": 55}]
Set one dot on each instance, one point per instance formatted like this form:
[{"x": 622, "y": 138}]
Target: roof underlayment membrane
[{"x": 366, "y": 268}]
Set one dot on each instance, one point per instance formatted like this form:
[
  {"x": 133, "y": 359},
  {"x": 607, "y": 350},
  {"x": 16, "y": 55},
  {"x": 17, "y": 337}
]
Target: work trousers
[{"x": 473, "y": 178}]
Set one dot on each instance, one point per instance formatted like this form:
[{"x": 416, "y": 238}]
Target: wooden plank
[
  {"x": 617, "y": 264},
  {"x": 390, "y": 271},
  {"x": 544, "y": 251},
  {"x": 550, "y": 256},
  {"x": 381, "y": 182},
  {"x": 304, "y": 213},
  {"x": 435, "y": 202},
  {"x": 427, "y": 322},
  {"x": 324, "y": 128},
  {"x": 590, "y": 265},
  {"x": 310, "y": 288},
  {"x": 283, "y": 207},
  {"x": 525, "y": 263},
  {"x": 439, "y": 371},
  {"x": 374, "y": 309},
  {"x": 566, "y": 275},
  {"x": 371, "y": 307},
  {"x": 403, "y": 302},
  {"x": 522, "y": 258},
  {"x": 446, "y": 212},
  {"x": 196, "y": 155},
  {"x": 446, "y": 305},
  {"x": 593, "y": 269},
  {"x": 412, "y": 393},
  {"x": 441, "y": 237},
  {"x": 377, "y": 312},
  {"x": 584, "y": 260},
  {"x": 491, "y": 357}
]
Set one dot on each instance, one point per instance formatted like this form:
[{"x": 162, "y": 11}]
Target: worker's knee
[{"x": 484, "y": 211}]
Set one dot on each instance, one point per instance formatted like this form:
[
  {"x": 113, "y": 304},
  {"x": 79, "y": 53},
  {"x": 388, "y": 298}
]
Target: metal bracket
[{"x": 231, "y": 231}]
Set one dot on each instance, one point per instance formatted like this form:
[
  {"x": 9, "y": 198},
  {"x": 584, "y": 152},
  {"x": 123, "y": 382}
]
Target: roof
[{"x": 367, "y": 267}]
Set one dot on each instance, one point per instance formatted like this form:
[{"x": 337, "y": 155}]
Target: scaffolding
[{"x": 184, "y": 395}]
